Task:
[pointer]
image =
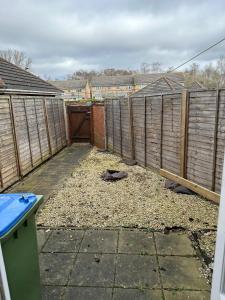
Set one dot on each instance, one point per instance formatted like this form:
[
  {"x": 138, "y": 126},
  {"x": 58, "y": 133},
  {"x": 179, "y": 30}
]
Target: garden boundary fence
[
  {"x": 180, "y": 134},
  {"x": 32, "y": 129}
]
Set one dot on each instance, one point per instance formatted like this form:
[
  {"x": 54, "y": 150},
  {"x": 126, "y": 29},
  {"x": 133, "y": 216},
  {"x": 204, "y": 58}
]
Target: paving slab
[
  {"x": 181, "y": 273},
  {"x": 55, "y": 267},
  {"x": 64, "y": 241},
  {"x": 93, "y": 270},
  {"x": 136, "y": 242},
  {"x": 136, "y": 271},
  {"x": 45, "y": 179},
  {"x": 42, "y": 236},
  {"x": 186, "y": 295},
  {"x": 74, "y": 259},
  {"x": 88, "y": 293},
  {"x": 100, "y": 241},
  {"x": 52, "y": 292},
  {"x": 136, "y": 294},
  {"x": 173, "y": 244}
]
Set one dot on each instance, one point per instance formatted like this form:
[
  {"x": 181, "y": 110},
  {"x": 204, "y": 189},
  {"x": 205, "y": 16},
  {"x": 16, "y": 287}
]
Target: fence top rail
[{"x": 163, "y": 94}]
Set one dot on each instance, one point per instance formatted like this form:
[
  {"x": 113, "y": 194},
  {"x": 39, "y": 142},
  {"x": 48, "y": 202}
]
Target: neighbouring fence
[
  {"x": 32, "y": 129},
  {"x": 181, "y": 134}
]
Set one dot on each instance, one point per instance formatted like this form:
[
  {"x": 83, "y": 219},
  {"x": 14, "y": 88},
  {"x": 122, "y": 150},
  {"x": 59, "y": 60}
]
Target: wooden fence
[
  {"x": 32, "y": 129},
  {"x": 180, "y": 134}
]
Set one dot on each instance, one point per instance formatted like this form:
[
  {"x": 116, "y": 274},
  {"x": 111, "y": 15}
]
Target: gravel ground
[
  {"x": 140, "y": 200},
  {"x": 207, "y": 243}
]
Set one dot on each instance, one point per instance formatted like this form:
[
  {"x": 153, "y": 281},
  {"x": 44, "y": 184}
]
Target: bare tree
[
  {"x": 16, "y": 57},
  {"x": 194, "y": 70},
  {"x": 145, "y": 68},
  {"x": 83, "y": 74},
  {"x": 155, "y": 67},
  {"x": 220, "y": 68},
  {"x": 169, "y": 69},
  {"x": 211, "y": 76}
]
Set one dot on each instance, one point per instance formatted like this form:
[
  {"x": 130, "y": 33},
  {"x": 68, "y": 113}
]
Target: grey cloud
[{"x": 62, "y": 36}]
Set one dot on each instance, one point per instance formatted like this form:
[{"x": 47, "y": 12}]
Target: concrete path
[
  {"x": 44, "y": 180},
  {"x": 119, "y": 265}
]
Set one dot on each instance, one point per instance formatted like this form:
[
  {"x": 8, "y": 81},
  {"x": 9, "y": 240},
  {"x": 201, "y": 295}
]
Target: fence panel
[
  {"x": 57, "y": 123},
  {"x": 22, "y": 134},
  {"x": 201, "y": 128},
  {"x": 42, "y": 128},
  {"x": 117, "y": 126},
  {"x": 62, "y": 121},
  {"x": 153, "y": 131},
  {"x": 171, "y": 133},
  {"x": 220, "y": 141},
  {"x": 9, "y": 172},
  {"x": 51, "y": 125},
  {"x": 181, "y": 133},
  {"x": 138, "y": 110},
  {"x": 33, "y": 132},
  {"x": 125, "y": 124},
  {"x": 25, "y": 139},
  {"x": 109, "y": 124}
]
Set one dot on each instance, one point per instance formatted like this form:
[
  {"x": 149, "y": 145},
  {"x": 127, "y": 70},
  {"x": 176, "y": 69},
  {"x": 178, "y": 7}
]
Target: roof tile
[{"x": 15, "y": 78}]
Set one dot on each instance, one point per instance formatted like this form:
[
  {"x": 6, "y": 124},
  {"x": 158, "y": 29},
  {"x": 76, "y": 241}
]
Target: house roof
[
  {"x": 134, "y": 79},
  {"x": 13, "y": 78},
  {"x": 112, "y": 80},
  {"x": 195, "y": 85},
  {"x": 160, "y": 85},
  {"x": 69, "y": 84},
  {"x": 148, "y": 78}
]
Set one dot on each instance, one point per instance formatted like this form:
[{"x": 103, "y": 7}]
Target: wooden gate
[{"x": 79, "y": 123}]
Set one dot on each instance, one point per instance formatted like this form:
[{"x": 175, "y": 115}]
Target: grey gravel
[{"x": 140, "y": 200}]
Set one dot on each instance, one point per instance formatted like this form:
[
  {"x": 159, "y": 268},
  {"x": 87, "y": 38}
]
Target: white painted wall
[{"x": 218, "y": 283}]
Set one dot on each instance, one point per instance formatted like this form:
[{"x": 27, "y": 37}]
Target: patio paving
[
  {"x": 115, "y": 264},
  {"x": 119, "y": 264},
  {"x": 45, "y": 179}
]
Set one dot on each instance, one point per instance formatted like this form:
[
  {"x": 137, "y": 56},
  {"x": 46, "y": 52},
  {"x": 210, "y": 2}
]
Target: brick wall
[{"x": 98, "y": 125}]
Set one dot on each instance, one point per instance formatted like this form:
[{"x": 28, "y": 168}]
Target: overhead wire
[{"x": 197, "y": 55}]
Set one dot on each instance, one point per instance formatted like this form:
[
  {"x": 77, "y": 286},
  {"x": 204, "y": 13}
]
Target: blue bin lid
[{"x": 12, "y": 208}]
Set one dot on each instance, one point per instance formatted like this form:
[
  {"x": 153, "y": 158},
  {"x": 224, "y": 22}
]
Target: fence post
[
  {"x": 28, "y": 133},
  {"x": 60, "y": 124},
  {"x": 161, "y": 132},
  {"x": 183, "y": 132},
  {"x": 121, "y": 132},
  {"x": 54, "y": 122},
  {"x": 215, "y": 140},
  {"x": 47, "y": 126},
  {"x": 106, "y": 124},
  {"x": 131, "y": 128},
  {"x": 1, "y": 178},
  {"x": 18, "y": 163},
  {"x": 145, "y": 129},
  {"x": 38, "y": 131},
  {"x": 92, "y": 130},
  {"x": 113, "y": 139}
]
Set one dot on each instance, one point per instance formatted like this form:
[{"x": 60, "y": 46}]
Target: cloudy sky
[{"x": 62, "y": 36}]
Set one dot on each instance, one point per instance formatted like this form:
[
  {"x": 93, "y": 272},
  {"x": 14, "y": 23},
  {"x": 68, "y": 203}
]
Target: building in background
[
  {"x": 111, "y": 86},
  {"x": 102, "y": 87},
  {"x": 73, "y": 89}
]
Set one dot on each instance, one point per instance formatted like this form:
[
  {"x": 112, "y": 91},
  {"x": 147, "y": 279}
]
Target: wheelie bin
[{"x": 18, "y": 246}]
